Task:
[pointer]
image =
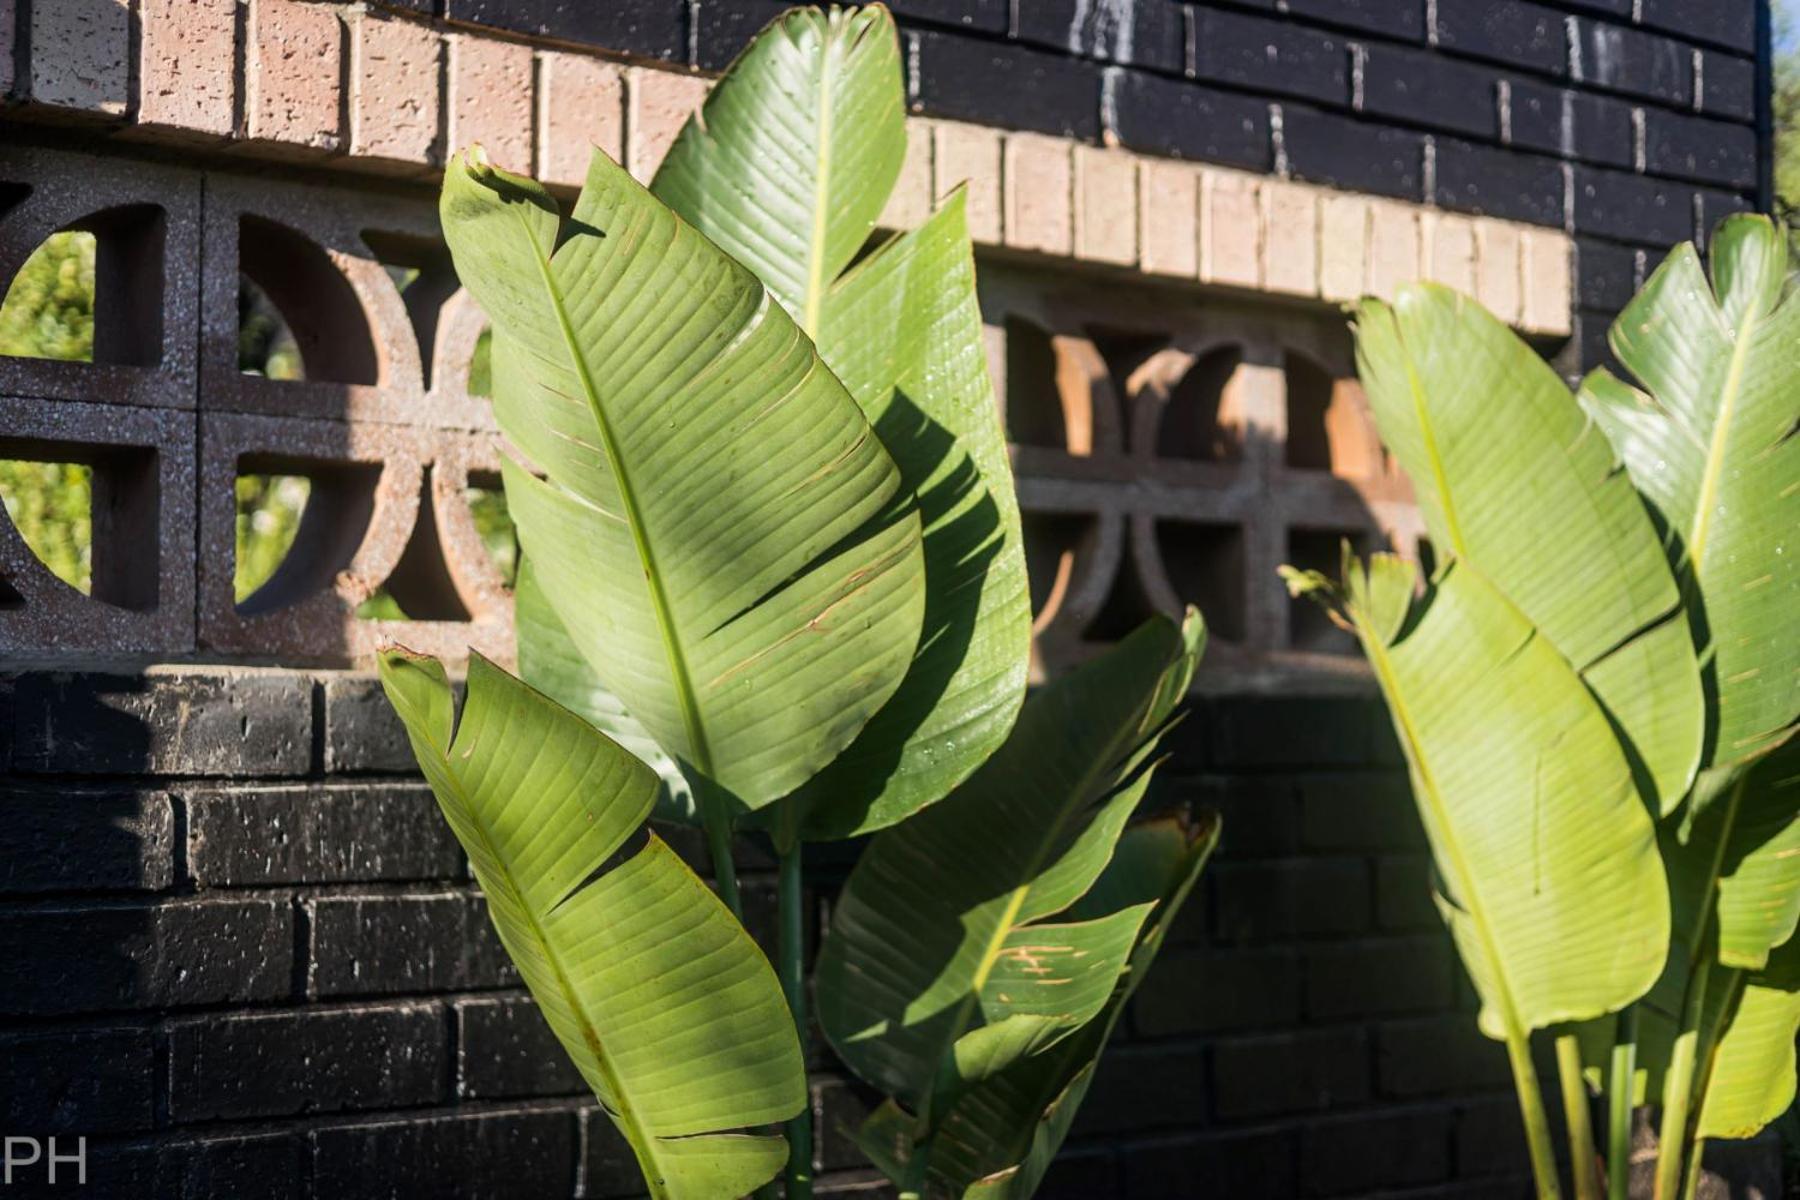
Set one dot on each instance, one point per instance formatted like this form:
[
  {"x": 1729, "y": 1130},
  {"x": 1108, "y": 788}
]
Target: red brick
[
  {"x": 292, "y": 89},
  {"x": 393, "y": 90},
  {"x": 186, "y": 62},
  {"x": 490, "y": 99},
  {"x": 581, "y": 105}
]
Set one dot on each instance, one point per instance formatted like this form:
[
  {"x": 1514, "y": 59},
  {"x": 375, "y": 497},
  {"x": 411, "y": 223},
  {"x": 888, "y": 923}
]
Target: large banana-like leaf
[
  {"x": 671, "y": 1013},
  {"x": 1511, "y": 480},
  {"x": 1752, "y": 1079},
  {"x": 787, "y": 168},
  {"x": 1552, "y": 885},
  {"x": 720, "y": 532},
  {"x": 941, "y": 961},
  {"x": 1710, "y": 443}
]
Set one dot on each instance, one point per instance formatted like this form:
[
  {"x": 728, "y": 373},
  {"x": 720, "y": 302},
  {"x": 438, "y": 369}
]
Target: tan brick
[
  {"x": 1393, "y": 247},
  {"x": 490, "y": 99},
  {"x": 581, "y": 105},
  {"x": 1343, "y": 246},
  {"x": 970, "y": 154},
  {"x": 291, "y": 85},
  {"x": 1106, "y": 208},
  {"x": 1449, "y": 243},
  {"x": 394, "y": 101},
  {"x": 1290, "y": 238},
  {"x": 1497, "y": 269},
  {"x": 9, "y": 43},
  {"x": 80, "y": 55},
  {"x": 660, "y": 104},
  {"x": 910, "y": 202},
  {"x": 1169, "y": 218},
  {"x": 1230, "y": 229},
  {"x": 1547, "y": 294},
  {"x": 1039, "y": 181},
  {"x": 187, "y": 53}
]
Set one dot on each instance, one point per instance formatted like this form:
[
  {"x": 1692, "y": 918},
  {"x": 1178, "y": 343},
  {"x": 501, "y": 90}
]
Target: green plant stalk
[
  {"x": 1691, "y": 1188},
  {"x": 1531, "y": 1109},
  {"x": 791, "y": 949},
  {"x": 1678, "y": 1084},
  {"x": 1582, "y": 1155},
  {"x": 1619, "y": 1091},
  {"x": 715, "y": 818}
]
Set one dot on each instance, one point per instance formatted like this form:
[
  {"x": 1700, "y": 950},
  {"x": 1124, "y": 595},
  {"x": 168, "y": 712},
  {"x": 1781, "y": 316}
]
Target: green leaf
[
  {"x": 1759, "y": 868},
  {"x": 940, "y": 977},
  {"x": 1511, "y": 480},
  {"x": 719, "y": 532},
  {"x": 1709, "y": 442},
  {"x": 1753, "y": 1074},
  {"x": 661, "y": 999},
  {"x": 552, "y": 664},
  {"x": 1552, "y": 885},
  {"x": 787, "y": 168}
]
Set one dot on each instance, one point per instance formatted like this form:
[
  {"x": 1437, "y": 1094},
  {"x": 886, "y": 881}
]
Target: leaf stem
[
  {"x": 1531, "y": 1109},
  {"x": 715, "y": 817},
  {"x": 1678, "y": 1083},
  {"x": 1582, "y": 1156},
  {"x": 1619, "y": 1095},
  {"x": 791, "y": 935}
]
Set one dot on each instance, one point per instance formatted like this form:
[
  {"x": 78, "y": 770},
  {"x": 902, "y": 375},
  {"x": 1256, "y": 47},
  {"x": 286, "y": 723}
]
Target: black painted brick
[
  {"x": 1172, "y": 117},
  {"x": 1715, "y": 152},
  {"x": 1429, "y": 90},
  {"x": 721, "y": 28},
  {"x": 1605, "y": 274},
  {"x": 1436, "y": 1056},
  {"x": 1307, "y": 897},
  {"x": 253, "y": 1167},
  {"x": 1359, "y": 156},
  {"x": 1365, "y": 811},
  {"x": 1294, "y": 732},
  {"x": 1271, "y": 56},
  {"x": 123, "y": 956},
  {"x": 1499, "y": 183},
  {"x": 1379, "y": 977},
  {"x": 1631, "y": 207},
  {"x": 1633, "y": 61},
  {"x": 1194, "y": 991},
  {"x": 380, "y": 945},
  {"x": 1403, "y": 893},
  {"x": 1260, "y": 1163},
  {"x": 78, "y": 839},
  {"x": 85, "y": 1083},
  {"x": 654, "y": 30},
  {"x": 237, "y": 723},
  {"x": 1155, "y": 38},
  {"x": 1729, "y": 23},
  {"x": 1008, "y": 85},
  {"x": 250, "y": 836},
  {"x": 1603, "y": 130},
  {"x": 1716, "y": 206},
  {"x": 1515, "y": 32},
  {"x": 1489, "y": 1137},
  {"x": 840, "y": 1106},
  {"x": 1728, "y": 86},
  {"x": 1368, "y": 1153},
  {"x": 1142, "y": 1088},
  {"x": 1310, "y": 1070},
  {"x": 474, "y": 1156},
  {"x": 279, "y": 1064},
  {"x": 986, "y": 16},
  {"x": 1260, "y": 815},
  {"x": 504, "y": 1048},
  {"x": 610, "y": 1168},
  {"x": 1404, "y": 19},
  {"x": 362, "y": 731}
]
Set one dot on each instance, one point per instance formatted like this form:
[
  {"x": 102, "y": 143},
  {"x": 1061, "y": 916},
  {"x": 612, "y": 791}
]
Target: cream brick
[
  {"x": 1169, "y": 217},
  {"x": 659, "y": 103},
  {"x": 1230, "y": 228},
  {"x": 1106, "y": 208},
  {"x": 910, "y": 202},
  {"x": 970, "y": 154},
  {"x": 1343, "y": 246},
  {"x": 186, "y": 65},
  {"x": 1393, "y": 247},
  {"x": 1039, "y": 181},
  {"x": 394, "y": 102},
  {"x": 1449, "y": 243},
  {"x": 80, "y": 55},
  {"x": 581, "y": 105},
  {"x": 1547, "y": 295},
  {"x": 1290, "y": 238},
  {"x": 1497, "y": 269},
  {"x": 490, "y": 99}
]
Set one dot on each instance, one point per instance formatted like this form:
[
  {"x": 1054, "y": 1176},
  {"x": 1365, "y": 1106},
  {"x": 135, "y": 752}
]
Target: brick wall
[{"x": 247, "y": 960}]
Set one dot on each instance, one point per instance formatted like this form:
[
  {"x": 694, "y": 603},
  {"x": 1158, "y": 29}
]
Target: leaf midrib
[
  {"x": 815, "y": 263},
  {"x": 1699, "y": 527},
  {"x": 692, "y": 721}
]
